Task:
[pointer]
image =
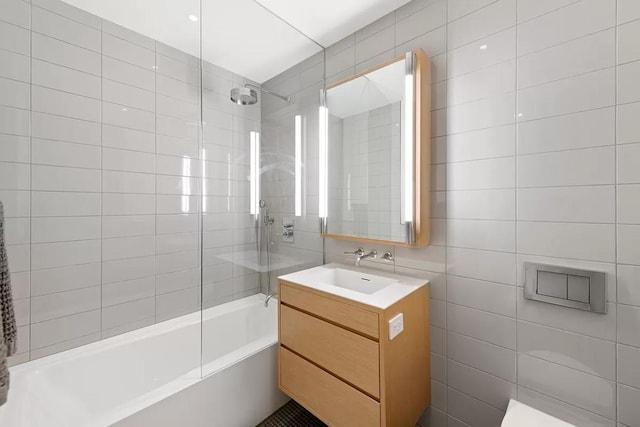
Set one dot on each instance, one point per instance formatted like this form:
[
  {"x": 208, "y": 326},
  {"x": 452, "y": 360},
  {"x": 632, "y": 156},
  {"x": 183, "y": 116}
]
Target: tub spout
[{"x": 266, "y": 300}]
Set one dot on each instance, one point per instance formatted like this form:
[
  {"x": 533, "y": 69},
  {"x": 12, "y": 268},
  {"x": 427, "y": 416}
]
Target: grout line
[
  {"x": 468, "y": 13},
  {"x": 615, "y": 231},
  {"x": 560, "y": 79},
  {"x": 123, "y": 38},
  {"x": 30, "y": 168},
  {"x": 446, "y": 212},
  {"x": 475, "y": 368},
  {"x": 567, "y": 331},
  {"x": 155, "y": 181},
  {"x": 68, "y": 341},
  {"x": 480, "y": 310},
  {"x": 477, "y": 399},
  {"x": 68, "y": 315}
]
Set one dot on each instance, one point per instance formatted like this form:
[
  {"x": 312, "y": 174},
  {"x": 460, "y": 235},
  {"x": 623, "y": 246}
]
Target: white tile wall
[
  {"x": 536, "y": 147},
  {"x": 100, "y": 176},
  {"x": 536, "y": 159}
]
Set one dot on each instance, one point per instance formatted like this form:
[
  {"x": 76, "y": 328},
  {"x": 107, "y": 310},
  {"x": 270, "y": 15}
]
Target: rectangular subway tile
[
  {"x": 568, "y": 204},
  {"x": 482, "y": 295},
  {"x": 498, "y": 330},
  {"x": 482, "y": 355},
  {"x": 65, "y": 29},
  {"x": 65, "y": 104},
  {"x": 58, "y": 128},
  {"x": 593, "y": 166},
  {"x": 628, "y": 410},
  {"x": 65, "y": 79},
  {"x": 62, "y": 279},
  {"x": 586, "y": 391},
  {"x": 56, "y": 153},
  {"x": 59, "y": 254},
  {"x": 64, "y": 329},
  {"x": 586, "y": 54},
  {"x": 481, "y": 385},
  {"x": 587, "y": 16},
  {"x": 586, "y": 354},
  {"x": 594, "y": 242},
  {"x": 486, "y": 21}
]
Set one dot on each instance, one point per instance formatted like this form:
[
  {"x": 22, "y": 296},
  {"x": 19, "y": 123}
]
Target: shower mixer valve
[{"x": 287, "y": 230}]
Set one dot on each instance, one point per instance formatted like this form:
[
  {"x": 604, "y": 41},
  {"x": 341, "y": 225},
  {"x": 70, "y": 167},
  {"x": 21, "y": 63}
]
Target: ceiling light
[
  {"x": 483, "y": 47},
  {"x": 193, "y": 18}
]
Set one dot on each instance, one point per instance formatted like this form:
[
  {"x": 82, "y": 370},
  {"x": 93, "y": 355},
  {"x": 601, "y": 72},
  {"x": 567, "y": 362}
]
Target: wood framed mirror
[{"x": 375, "y": 154}]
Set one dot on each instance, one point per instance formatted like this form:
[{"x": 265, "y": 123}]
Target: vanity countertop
[{"x": 394, "y": 287}]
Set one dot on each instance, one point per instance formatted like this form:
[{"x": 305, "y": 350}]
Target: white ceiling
[
  {"x": 329, "y": 21},
  {"x": 248, "y": 37}
]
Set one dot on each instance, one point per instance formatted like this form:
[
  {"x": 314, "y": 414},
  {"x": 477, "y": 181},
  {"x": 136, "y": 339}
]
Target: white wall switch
[{"x": 396, "y": 325}]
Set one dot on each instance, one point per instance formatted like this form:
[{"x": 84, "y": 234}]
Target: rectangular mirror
[{"x": 375, "y": 154}]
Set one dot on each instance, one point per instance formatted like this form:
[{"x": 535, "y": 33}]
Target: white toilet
[{"x": 520, "y": 415}]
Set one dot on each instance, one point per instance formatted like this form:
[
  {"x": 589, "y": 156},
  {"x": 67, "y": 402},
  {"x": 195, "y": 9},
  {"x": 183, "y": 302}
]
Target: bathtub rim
[{"x": 138, "y": 334}]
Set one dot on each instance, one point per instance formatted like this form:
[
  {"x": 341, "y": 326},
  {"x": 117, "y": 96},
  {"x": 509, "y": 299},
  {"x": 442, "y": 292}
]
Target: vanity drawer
[
  {"x": 336, "y": 402},
  {"x": 347, "y": 355},
  {"x": 347, "y": 315}
]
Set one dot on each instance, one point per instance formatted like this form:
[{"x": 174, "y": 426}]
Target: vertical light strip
[
  {"x": 204, "y": 181},
  {"x": 323, "y": 160},
  {"x": 229, "y": 182},
  {"x": 256, "y": 173},
  {"x": 252, "y": 174},
  {"x": 298, "y": 165},
  {"x": 186, "y": 184},
  {"x": 408, "y": 146}
]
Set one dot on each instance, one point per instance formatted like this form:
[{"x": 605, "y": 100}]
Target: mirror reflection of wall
[
  {"x": 365, "y": 116},
  {"x": 368, "y": 145}
]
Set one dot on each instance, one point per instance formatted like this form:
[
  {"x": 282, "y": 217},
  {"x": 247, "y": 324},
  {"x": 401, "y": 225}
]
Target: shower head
[
  {"x": 247, "y": 96},
  {"x": 244, "y": 96}
]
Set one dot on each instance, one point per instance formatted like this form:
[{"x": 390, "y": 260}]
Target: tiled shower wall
[
  {"x": 100, "y": 176},
  {"x": 303, "y": 83},
  {"x": 536, "y": 154}
]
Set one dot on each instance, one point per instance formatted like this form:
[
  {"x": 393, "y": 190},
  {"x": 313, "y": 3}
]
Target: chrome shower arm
[{"x": 284, "y": 98}]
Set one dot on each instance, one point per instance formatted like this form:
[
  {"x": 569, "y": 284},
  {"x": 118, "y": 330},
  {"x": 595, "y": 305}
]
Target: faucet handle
[
  {"x": 358, "y": 252},
  {"x": 388, "y": 256}
]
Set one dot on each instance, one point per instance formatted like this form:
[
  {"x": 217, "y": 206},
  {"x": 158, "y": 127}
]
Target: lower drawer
[
  {"x": 335, "y": 402},
  {"x": 345, "y": 354}
]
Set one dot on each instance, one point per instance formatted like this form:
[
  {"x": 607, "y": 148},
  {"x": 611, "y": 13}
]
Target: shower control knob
[{"x": 287, "y": 230}]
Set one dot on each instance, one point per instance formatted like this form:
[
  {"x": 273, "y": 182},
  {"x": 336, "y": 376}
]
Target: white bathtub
[{"x": 154, "y": 376}]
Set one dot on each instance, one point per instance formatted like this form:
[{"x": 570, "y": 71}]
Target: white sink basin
[
  {"x": 370, "y": 287},
  {"x": 355, "y": 280}
]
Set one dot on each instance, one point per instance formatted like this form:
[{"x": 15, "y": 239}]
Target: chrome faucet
[
  {"x": 371, "y": 255},
  {"x": 357, "y": 254},
  {"x": 360, "y": 255}
]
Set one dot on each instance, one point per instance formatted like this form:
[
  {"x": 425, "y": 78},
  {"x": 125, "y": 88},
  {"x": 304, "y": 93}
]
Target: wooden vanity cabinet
[{"x": 336, "y": 358}]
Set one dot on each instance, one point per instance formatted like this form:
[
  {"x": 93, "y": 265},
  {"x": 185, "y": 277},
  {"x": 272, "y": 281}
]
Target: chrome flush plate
[{"x": 568, "y": 287}]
